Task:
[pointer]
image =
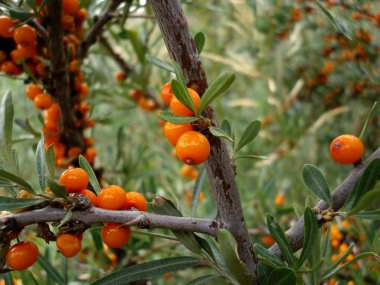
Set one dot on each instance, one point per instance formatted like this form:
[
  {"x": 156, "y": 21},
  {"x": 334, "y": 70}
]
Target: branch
[
  {"x": 97, "y": 27},
  {"x": 295, "y": 233},
  {"x": 59, "y": 86},
  {"x": 181, "y": 47},
  {"x": 93, "y": 215}
]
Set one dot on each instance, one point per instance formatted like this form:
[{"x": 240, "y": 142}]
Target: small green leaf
[
  {"x": 159, "y": 63},
  {"x": 57, "y": 189},
  {"x": 83, "y": 163},
  {"x": 316, "y": 183},
  {"x": 250, "y": 132},
  {"x": 310, "y": 234},
  {"x": 366, "y": 200},
  {"x": 279, "y": 235},
  {"x": 267, "y": 257},
  {"x": 339, "y": 260},
  {"x": 283, "y": 276},
  {"x": 10, "y": 204},
  {"x": 50, "y": 270},
  {"x": 216, "y": 253},
  {"x": 327, "y": 243},
  {"x": 18, "y": 13},
  {"x": 137, "y": 45},
  {"x": 203, "y": 279},
  {"x": 170, "y": 117},
  {"x": 182, "y": 94},
  {"x": 263, "y": 273},
  {"x": 369, "y": 116},
  {"x": 226, "y": 127},
  {"x": 40, "y": 160},
  {"x": 365, "y": 183},
  {"x": 18, "y": 180},
  {"x": 147, "y": 270},
  {"x": 216, "y": 88},
  {"x": 66, "y": 219},
  {"x": 220, "y": 133},
  {"x": 50, "y": 160},
  {"x": 163, "y": 206},
  {"x": 237, "y": 268},
  {"x": 179, "y": 74},
  {"x": 197, "y": 190},
  {"x": 199, "y": 41},
  {"x": 8, "y": 278},
  {"x": 371, "y": 215}
]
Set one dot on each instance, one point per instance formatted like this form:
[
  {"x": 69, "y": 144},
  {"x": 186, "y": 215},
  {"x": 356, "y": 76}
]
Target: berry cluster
[{"x": 192, "y": 147}]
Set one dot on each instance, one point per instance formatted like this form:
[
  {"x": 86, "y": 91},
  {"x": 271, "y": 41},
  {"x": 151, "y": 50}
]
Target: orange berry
[
  {"x": 74, "y": 151},
  {"x": 25, "y": 35},
  {"x": 53, "y": 113},
  {"x": 115, "y": 236},
  {"x": 181, "y": 110},
  {"x": 22, "y": 255},
  {"x": 268, "y": 240},
  {"x": 74, "y": 66},
  {"x": 43, "y": 101},
  {"x": 51, "y": 125},
  {"x": 81, "y": 15},
  {"x": 17, "y": 57},
  {"x": 70, "y": 6},
  {"x": 346, "y": 149},
  {"x": 90, "y": 195},
  {"x": 146, "y": 104},
  {"x": 27, "y": 51},
  {"x": 32, "y": 90},
  {"x": 187, "y": 170},
  {"x": 167, "y": 93},
  {"x": 112, "y": 198},
  {"x": 135, "y": 200},
  {"x": 6, "y": 26},
  {"x": 279, "y": 199},
  {"x": 67, "y": 21},
  {"x": 120, "y": 76},
  {"x": 136, "y": 95},
  {"x": 88, "y": 141},
  {"x": 69, "y": 245},
  {"x": 10, "y": 68},
  {"x": 174, "y": 131},
  {"x": 90, "y": 155},
  {"x": 335, "y": 243},
  {"x": 83, "y": 90},
  {"x": 193, "y": 148},
  {"x": 75, "y": 179}
]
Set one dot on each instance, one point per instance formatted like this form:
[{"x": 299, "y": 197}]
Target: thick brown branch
[
  {"x": 59, "y": 84},
  {"x": 93, "y": 215},
  {"x": 97, "y": 27},
  {"x": 181, "y": 47},
  {"x": 296, "y": 233}
]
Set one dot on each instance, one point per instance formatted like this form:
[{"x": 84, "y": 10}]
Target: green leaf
[
  {"x": 163, "y": 206},
  {"x": 237, "y": 268},
  {"x": 226, "y": 127},
  {"x": 18, "y": 13},
  {"x": 8, "y": 278},
  {"x": 369, "y": 116},
  {"x": 197, "y": 190},
  {"x": 366, "y": 200},
  {"x": 371, "y": 215},
  {"x": 179, "y": 74},
  {"x": 66, "y": 219},
  {"x": 327, "y": 243},
  {"x": 339, "y": 260},
  {"x": 18, "y": 180},
  {"x": 199, "y": 41},
  {"x": 159, "y": 63},
  {"x": 147, "y": 270},
  {"x": 279, "y": 235},
  {"x": 50, "y": 160},
  {"x": 216, "y": 88},
  {"x": 203, "y": 279},
  {"x": 263, "y": 273},
  {"x": 216, "y": 253},
  {"x": 365, "y": 183},
  {"x": 250, "y": 132},
  {"x": 137, "y": 45},
  {"x": 40, "y": 160},
  {"x": 267, "y": 257},
  {"x": 10, "y": 204},
  {"x": 283, "y": 276},
  {"x": 57, "y": 189},
  {"x": 50, "y": 270},
  {"x": 310, "y": 234},
  {"x": 342, "y": 29},
  {"x": 220, "y": 133},
  {"x": 170, "y": 117},
  {"x": 316, "y": 183},
  {"x": 182, "y": 94},
  {"x": 83, "y": 163}
]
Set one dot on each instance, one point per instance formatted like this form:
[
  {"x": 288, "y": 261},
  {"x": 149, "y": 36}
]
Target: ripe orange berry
[
  {"x": 181, "y": 110},
  {"x": 25, "y": 35},
  {"x": 346, "y": 149},
  {"x": 279, "y": 199},
  {"x": 111, "y": 198},
  {"x": 120, "y": 76},
  {"x": 146, "y": 104},
  {"x": 90, "y": 155},
  {"x": 115, "y": 236},
  {"x": 53, "y": 113},
  {"x": 81, "y": 15},
  {"x": 22, "y": 255},
  {"x": 167, "y": 93},
  {"x": 136, "y": 95},
  {"x": 187, "y": 170},
  {"x": 268, "y": 240},
  {"x": 32, "y": 90},
  {"x": 43, "y": 101},
  {"x": 174, "y": 131},
  {"x": 90, "y": 195},
  {"x": 10, "y": 68},
  {"x": 17, "y": 56},
  {"x": 69, "y": 245},
  {"x": 6, "y": 26},
  {"x": 75, "y": 179},
  {"x": 74, "y": 66},
  {"x": 70, "y": 6},
  {"x": 193, "y": 148},
  {"x": 135, "y": 200}
]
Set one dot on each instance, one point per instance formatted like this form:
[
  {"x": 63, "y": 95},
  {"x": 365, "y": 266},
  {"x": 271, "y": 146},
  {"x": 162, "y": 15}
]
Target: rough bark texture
[
  {"x": 181, "y": 47},
  {"x": 296, "y": 233}
]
